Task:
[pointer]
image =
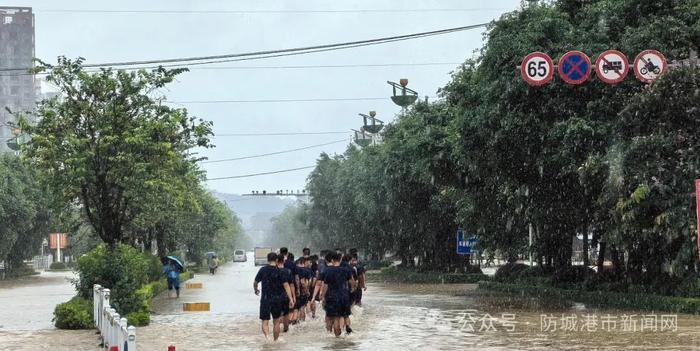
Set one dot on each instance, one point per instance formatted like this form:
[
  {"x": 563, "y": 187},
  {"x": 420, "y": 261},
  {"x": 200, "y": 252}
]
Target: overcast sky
[{"x": 108, "y": 37}]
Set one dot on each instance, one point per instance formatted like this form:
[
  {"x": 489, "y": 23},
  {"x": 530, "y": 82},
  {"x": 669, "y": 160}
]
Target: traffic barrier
[
  {"x": 115, "y": 332},
  {"x": 193, "y": 285},
  {"x": 195, "y": 306}
]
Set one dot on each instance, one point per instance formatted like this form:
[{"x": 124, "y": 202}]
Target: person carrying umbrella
[{"x": 172, "y": 268}]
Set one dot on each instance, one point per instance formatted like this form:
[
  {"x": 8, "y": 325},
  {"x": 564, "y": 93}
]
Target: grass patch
[
  {"x": 142, "y": 316},
  {"x": 600, "y": 299},
  {"x": 394, "y": 275}
]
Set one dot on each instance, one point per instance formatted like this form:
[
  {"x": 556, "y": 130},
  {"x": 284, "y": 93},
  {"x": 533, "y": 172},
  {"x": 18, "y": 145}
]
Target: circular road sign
[
  {"x": 574, "y": 67},
  {"x": 537, "y": 69},
  {"x": 611, "y": 66},
  {"x": 649, "y": 65}
]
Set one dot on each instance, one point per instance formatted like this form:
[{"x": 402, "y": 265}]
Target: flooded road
[
  {"x": 26, "y": 309},
  {"x": 408, "y": 317},
  {"x": 395, "y": 317}
]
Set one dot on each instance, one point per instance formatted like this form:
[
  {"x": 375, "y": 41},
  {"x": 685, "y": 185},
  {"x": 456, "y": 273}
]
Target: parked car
[{"x": 239, "y": 256}]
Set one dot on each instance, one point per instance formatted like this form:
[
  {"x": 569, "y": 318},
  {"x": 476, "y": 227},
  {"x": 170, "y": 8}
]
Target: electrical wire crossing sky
[{"x": 276, "y": 80}]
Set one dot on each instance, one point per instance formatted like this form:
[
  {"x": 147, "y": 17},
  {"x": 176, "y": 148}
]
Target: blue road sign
[
  {"x": 465, "y": 245},
  {"x": 574, "y": 67}
]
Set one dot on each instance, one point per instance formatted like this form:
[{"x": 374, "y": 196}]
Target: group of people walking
[{"x": 291, "y": 288}]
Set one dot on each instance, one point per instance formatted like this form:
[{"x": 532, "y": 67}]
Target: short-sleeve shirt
[
  {"x": 290, "y": 266},
  {"x": 286, "y": 277},
  {"x": 272, "y": 282},
  {"x": 337, "y": 280}
]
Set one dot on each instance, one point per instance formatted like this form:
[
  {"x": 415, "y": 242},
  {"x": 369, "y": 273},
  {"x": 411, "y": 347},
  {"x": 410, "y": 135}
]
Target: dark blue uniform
[
  {"x": 272, "y": 282},
  {"x": 337, "y": 293},
  {"x": 303, "y": 299},
  {"x": 287, "y": 276},
  {"x": 357, "y": 295}
]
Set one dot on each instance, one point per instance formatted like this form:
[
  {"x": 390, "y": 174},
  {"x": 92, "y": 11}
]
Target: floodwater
[
  {"x": 410, "y": 317},
  {"x": 26, "y": 309},
  {"x": 394, "y": 317}
]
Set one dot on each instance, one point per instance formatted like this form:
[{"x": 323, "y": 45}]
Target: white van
[{"x": 239, "y": 256}]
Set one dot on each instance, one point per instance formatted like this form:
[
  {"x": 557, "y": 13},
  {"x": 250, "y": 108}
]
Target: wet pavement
[
  {"x": 26, "y": 310},
  {"x": 404, "y": 317},
  {"x": 394, "y": 317}
]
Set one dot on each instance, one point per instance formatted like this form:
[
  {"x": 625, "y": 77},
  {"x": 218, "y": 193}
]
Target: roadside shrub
[
  {"x": 473, "y": 269},
  {"x": 600, "y": 299},
  {"x": 393, "y": 274},
  {"x": 123, "y": 271},
  {"x": 58, "y": 266},
  {"x": 572, "y": 274},
  {"x": 74, "y": 314},
  {"x": 690, "y": 287},
  {"x": 509, "y": 271}
]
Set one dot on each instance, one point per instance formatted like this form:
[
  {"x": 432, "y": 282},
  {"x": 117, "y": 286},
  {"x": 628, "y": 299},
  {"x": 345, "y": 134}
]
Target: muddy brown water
[{"x": 394, "y": 317}]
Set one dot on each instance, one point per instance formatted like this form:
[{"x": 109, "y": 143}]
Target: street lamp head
[
  {"x": 372, "y": 113},
  {"x": 403, "y": 82}
]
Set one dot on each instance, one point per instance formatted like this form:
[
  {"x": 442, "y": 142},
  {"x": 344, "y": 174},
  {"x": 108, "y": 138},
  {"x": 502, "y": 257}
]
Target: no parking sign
[{"x": 574, "y": 67}]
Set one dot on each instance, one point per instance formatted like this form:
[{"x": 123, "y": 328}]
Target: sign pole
[
  {"x": 697, "y": 212},
  {"x": 58, "y": 247}
]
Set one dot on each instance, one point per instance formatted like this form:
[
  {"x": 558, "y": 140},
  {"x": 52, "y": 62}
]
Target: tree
[
  {"x": 106, "y": 140},
  {"x": 24, "y": 212}
]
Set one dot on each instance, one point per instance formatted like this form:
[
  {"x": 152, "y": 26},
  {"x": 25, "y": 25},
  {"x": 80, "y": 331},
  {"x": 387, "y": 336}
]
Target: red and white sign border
[
  {"x": 523, "y": 69},
  {"x": 564, "y": 77},
  {"x": 639, "y": 57},
  {"x": 612, "y": 81}
]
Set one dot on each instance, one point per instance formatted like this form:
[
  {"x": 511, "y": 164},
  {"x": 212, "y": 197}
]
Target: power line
[
  {"x": 278, "y": 100},
  {"x": 260, "y": 174},
  {"x": 282, "y": 100},
  {"x": 330, "y": 66},
  {"x": 276, "y": 134},
  {"x": 276, "y": 152},
  {"x": 251, "y": 68},
  {"x": 272, "y": 53},
  {"x": 247, "y": 12}
]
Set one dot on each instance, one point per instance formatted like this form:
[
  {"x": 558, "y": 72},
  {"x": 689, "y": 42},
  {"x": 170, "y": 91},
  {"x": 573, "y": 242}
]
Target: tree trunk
[
  {"x": 585, "y": 246},
  {"x": 601, "y": 257}
]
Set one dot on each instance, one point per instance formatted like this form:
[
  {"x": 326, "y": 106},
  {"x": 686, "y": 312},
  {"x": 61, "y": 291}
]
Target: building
[{"x": 18, "y": 90}]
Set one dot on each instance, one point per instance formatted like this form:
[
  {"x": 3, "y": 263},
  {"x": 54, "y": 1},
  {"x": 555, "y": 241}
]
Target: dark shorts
[
  {"x": 337, "y": 307},
  {"x": 301, "y": 302},
  {"x": 356, "y": 297},
  {"x": 173, "y": 283},
  {"x": 270, "y": 307}
]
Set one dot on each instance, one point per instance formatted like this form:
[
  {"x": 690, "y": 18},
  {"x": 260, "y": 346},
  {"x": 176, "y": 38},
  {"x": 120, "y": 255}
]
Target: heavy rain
[{"x": 425, "y": 175}]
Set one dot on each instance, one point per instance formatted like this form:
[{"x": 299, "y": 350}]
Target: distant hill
[{"x": 251, "y": 209}]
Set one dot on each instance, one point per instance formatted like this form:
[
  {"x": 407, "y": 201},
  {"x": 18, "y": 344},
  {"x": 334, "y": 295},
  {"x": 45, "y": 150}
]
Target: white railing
[{"x": 114, "y": 330}]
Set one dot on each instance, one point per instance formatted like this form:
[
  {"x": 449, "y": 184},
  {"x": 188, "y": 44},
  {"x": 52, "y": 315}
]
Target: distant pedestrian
[
  {"x": 172, "y": 275},
  {"x": 213, "y": 264}
]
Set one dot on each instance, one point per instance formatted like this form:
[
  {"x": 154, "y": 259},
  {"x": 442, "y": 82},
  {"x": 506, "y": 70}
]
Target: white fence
[{"x": 114, "y": 330}]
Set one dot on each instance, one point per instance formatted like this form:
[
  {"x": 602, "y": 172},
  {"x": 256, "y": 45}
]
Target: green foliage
[
  {"x": 599, "y": 299},
  {"x": 123, "y": 271},
  {"x": 510, "y": 271},
  {"x": 392, "y": 274},
  {"x": 24, "y": 214},
  {"x": 74, "y": 314},
  {"x": 496, "y": 156},
  {"x": 58, "y": 266},
  {"x": 108, "y": 143}
]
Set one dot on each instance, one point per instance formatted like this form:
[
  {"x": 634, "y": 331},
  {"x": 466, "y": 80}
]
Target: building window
[{"x": 8, "y": 20}]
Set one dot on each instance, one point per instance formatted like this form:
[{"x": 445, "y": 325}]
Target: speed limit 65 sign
[{"x": 537, "y": 69}]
